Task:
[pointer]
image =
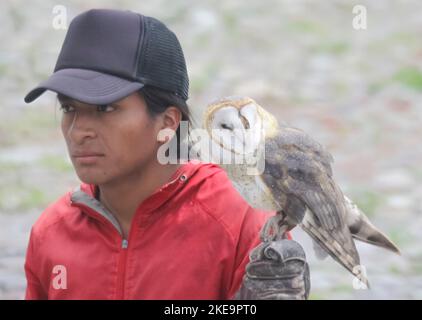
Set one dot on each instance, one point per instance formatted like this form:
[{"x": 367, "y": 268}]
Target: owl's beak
[{"x": 245, "y": 122}]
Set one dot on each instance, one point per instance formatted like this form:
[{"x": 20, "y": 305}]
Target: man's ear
[{"x": 171, "y": 118}]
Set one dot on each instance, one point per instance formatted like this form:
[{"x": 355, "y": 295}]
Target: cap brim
[{"x": 86, "y": 86}]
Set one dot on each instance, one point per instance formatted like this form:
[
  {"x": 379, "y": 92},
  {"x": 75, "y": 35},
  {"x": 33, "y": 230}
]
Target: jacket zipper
[
  {"x": 124, "y": 243},
  {"x": 121, "y": 269},
  {"x": 121, "y": 272}
]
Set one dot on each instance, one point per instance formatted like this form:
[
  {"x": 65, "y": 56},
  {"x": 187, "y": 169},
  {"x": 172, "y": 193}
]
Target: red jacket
[{"x": 189, "y": 240}]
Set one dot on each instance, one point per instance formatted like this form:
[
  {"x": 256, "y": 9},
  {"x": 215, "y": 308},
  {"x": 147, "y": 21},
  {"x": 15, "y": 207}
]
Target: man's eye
[
  {"x": 105, "y": 108},
  {"x": 67, "y": 108}
]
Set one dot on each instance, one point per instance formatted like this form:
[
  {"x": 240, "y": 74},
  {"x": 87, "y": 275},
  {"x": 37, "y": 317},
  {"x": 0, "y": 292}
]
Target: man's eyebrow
[{"x": 62, "y": 98}]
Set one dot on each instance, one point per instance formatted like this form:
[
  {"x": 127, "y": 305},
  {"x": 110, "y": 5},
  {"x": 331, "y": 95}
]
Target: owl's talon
[{"x": 274, "y": 228}]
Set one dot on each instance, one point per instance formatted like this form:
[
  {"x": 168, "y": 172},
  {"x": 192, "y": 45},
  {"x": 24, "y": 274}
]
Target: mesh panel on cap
[{"x": 161, "y": 61}]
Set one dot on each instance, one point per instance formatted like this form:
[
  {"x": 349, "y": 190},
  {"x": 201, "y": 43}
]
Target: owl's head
[{"x": 238, "y": 124}]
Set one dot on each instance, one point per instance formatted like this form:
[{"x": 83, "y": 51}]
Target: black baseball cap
[{"x": 109, "y": 54}]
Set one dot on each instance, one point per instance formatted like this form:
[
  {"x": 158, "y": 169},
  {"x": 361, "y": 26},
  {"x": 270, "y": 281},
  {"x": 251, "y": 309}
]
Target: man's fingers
[
  {"x": 277, "y": 270},
  {"x": 265, "y": 269},
  {"x": 258, "y": 252},
  {"x": 276, "y": 289},
  {"x": 284, "y": 250}
]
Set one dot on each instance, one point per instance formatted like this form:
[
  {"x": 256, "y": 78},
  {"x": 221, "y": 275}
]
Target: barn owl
[{"x": 283, "y": 169}]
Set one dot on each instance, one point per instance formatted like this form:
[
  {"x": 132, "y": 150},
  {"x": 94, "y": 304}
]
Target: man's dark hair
[{"x": 158, "y": 100}]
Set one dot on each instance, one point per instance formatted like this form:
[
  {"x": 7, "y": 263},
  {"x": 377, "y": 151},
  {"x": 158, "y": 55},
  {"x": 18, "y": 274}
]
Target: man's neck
[{"x": 123, "y": 197}]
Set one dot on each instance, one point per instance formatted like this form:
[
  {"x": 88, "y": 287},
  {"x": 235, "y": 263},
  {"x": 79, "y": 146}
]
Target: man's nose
[{"x": 81, "y": 128}]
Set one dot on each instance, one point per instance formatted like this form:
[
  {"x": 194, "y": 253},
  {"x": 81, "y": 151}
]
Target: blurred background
[{"x": 358, "y": 92}]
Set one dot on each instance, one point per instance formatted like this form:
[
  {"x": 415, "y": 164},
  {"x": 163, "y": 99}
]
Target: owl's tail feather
[
  {"x": 377, "y": 238},
  {"x": 362, "y": 229},
  {"x": 335, "y": 249}
]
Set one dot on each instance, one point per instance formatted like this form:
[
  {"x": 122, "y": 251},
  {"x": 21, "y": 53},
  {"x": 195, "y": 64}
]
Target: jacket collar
[{"x": 84, "y": 195}]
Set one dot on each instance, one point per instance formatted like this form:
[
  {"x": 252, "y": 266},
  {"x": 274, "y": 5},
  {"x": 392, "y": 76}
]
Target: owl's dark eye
[{"x": 228, "y": 127}]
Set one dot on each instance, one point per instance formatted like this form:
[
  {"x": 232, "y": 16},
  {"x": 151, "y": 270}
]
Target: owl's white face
[{"x": 237, "y": 130}]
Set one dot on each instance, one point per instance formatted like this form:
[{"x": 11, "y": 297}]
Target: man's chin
[{"x": 91, "y": 178}]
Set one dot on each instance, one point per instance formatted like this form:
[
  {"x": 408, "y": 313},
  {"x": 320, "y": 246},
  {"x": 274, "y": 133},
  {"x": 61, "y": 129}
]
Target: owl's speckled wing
[{"x": 298, "y": 173}]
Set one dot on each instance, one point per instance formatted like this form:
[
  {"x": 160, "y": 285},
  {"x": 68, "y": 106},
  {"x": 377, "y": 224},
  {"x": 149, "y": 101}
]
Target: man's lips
[
  {"x": 87, "y": 154},
  {"x": 87, "y": 157}
]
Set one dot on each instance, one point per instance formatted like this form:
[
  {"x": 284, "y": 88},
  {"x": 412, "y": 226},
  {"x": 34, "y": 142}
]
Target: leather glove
[{"x": 277, "y": 271}]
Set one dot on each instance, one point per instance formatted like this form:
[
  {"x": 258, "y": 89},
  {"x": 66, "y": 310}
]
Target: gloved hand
[{"x": 277, "y": 271}]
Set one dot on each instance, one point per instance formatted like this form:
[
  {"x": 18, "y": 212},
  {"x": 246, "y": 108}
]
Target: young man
[{"x": 135, "y": 228}]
